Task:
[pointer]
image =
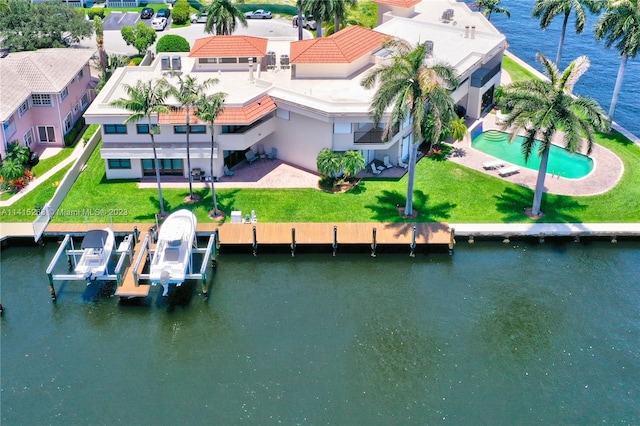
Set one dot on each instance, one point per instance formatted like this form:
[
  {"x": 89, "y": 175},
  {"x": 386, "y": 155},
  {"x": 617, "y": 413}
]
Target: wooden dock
[
  {"x": 129, "y": 287},
  {"x": 434, "y": 233}
]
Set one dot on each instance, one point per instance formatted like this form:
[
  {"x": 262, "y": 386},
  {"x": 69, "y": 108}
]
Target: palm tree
[
  {"x": 223, "y": 18},
  {"x": 412, "y": 88},
  {"x": 329, "y": 163},
  {"x": 339, "y": 10},
  {"x": 208, "y": 108},
  {"x": 320, "y": 10},
  {"x": 620, "y": 25},
  {"x": 353, "y": 163},
  {"x": 299, "y": 18},
  {"x": 543, "y": 108},
  {"x": 146, "y": 98},
  {"x": 487, "y": 7},
  {"x": 188, "y": 92},
  {"x": 547, "y": 10}
]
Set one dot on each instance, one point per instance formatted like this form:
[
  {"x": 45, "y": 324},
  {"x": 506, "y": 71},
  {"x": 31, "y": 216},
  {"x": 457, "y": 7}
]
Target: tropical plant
[
  {"x": 353, "y": 162},
  {"x": 18, "y": 152},
  {"x": 547, "y": 10},
  {"x": 98, "y": 27},
  {"x": 11, "y": 170},
  {"x": 488, "y": 7},
  {"x": 223, "y": 18},
  {"x": 145, "y": 99},
  {"x": 620, "y": 26},
  {"x": 188, "y": 92},
  {"x": 340, "y": 9},
  {"x": 320, "y": 10},
  {"x": 141, "y": 37},
  {"x": 413, "y": 89},
  {"x": 172, "y": 43},
  {"x": 542, "y": 108},
  {"x": 208, "y": 109},
  {"x": 180, "y": 12},
  {"x": 26, "y": 25},
  {"x": 329, "y": 163},
  {"x": 458, "y": 129}
]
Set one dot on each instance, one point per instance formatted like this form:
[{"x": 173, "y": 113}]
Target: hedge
[{"x": 172, "y": 43}]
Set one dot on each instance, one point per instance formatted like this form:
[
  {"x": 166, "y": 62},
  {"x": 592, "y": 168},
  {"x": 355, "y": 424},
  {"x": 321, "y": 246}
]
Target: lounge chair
[
  {"x": 227, "y": 172},
  {"x": 261, "y": 152},
  {"x": 251, "y": 157},
  {"x": 496, "y": 164},
  {"x": 273, "y": 154},
  {"x": 506, "y": 171},
  {"x": 402, "y": 163},
  {"x": 374, "y": 169},
  {"x": 387, "y": 162}
]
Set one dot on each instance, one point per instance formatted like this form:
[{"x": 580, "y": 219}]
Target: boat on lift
[
  {"x": 96, "y": 247},
  {"x": 172, "y": 255}
]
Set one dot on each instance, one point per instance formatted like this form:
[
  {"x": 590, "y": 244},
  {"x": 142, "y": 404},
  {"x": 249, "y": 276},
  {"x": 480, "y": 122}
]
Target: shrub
[
  {"x": 70, "y": 138},
  {"x": 95, "y": 11},
  {"x": 180, "y": 12},
  {"x": 135, "y": 61},
  {"x": 172, "y": 43}
]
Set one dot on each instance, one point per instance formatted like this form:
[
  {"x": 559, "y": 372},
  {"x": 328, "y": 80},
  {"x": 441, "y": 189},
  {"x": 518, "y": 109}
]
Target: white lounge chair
[
  {"x": 496, "y": 164},
  {"x": 227, "y": 172},
  {"x": 374, "y": 169},
  {"x": 402, "y": 163},
  {"x": 387, "y": 162},
  {"x": 506, "y": 171}
]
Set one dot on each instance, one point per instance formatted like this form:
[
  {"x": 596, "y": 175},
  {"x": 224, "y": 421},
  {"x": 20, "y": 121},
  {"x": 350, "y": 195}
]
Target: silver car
[{"x": 199, "y": 18}]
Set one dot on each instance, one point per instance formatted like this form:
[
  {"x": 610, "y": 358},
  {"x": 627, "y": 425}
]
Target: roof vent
[
  {"x": 176, "y": 63},
  {"x": 447, "y": 15},
  {"x": 165, "y": 63}
]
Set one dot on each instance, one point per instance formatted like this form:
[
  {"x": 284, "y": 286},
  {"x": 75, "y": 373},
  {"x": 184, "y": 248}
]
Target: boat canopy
[{"x": 95, "y": 239}]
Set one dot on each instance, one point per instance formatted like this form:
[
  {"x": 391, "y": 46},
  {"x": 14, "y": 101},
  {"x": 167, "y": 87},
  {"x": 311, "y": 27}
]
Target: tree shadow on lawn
[
  {"x": 556, "y": 208},
  {"x": 386, "y": 209}
]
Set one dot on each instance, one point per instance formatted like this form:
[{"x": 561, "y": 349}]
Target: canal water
[{"x": 497, "y": 334}]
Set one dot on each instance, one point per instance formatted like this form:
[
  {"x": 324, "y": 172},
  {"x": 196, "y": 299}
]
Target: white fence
[{"x": 49, "y": 210}]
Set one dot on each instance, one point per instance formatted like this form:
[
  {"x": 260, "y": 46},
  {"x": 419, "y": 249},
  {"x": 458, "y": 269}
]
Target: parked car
[
  {"x": 159, "y": 24},
  {"x": 163, "y": 13},
  {"x": 307, "y": 22},
  {"x": 199, "y": 18},
  {"x": 258, "y": 14},
  {"x": 147, "y": 13}
]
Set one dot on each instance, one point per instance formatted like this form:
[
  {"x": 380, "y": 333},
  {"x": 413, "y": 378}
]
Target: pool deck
[{"x": 607, "y": 167}]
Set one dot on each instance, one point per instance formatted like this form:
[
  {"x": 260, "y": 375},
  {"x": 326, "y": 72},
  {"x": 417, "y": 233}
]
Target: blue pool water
[{"x": 561, "y": 161}]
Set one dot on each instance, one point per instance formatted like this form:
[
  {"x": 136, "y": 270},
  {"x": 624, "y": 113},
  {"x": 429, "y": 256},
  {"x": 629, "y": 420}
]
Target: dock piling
[
  {"x": 335, "y": 240},
  {"x": 293, "y": 242},
  {"x": 255, "y": 242},
  {"x": 374, "y": 243},
  {"x": 413, "y": 242},
  {"x": 136, "y": 235},
  {"x": 452, "y": 241}
]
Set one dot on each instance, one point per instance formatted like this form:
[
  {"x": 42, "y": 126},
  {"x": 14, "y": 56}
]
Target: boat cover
[{"x": 95, "y": 239}]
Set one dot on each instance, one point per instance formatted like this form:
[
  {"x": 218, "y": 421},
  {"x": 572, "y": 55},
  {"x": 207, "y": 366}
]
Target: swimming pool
[{"x": 496, "y": 144}]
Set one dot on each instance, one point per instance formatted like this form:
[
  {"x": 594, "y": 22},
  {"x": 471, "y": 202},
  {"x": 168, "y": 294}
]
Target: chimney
[
  {"x": 251, "y": 70},
  {"x": 473, "y": 31},
  {"x": 466, "y": 31}
]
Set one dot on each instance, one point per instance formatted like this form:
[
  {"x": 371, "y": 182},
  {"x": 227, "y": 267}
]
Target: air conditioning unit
[
  {"x": 429, "y": 47},
  {"x": 165, "y": 63},
  {"x": 176, "y": 63}
]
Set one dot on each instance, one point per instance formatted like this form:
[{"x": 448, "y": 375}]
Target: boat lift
[
  {"x": 195, "y": 272},
  {"x": 124, "y": 252}
]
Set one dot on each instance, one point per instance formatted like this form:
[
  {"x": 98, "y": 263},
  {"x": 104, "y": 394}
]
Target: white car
[
  {"x": 258, "y": 14},
  {"x": 199, "y": 18},
  {"x": 307, "y": 23},
  {"x": 159, "y": 24}
]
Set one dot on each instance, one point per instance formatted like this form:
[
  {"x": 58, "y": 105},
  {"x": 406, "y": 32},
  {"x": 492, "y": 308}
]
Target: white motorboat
[
  {"x": 172, "y": 255},
  {"x": 97, "y": 246}
]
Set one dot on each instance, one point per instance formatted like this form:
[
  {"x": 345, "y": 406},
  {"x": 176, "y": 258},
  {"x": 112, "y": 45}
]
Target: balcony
[{"x": 247, "y": 136}]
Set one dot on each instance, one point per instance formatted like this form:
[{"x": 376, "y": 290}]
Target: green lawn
[
  {"x": 444, "y": 191},
  {"x": 516, "y": 72}
]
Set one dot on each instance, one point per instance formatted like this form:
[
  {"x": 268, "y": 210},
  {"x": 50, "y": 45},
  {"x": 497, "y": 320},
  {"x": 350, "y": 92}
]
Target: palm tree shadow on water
[{"x": 556, "y": 208}]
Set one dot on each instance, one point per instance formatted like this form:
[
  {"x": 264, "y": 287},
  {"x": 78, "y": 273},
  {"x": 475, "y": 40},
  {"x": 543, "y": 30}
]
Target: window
[
  {"x": 9, "y": 127},
  {"x": 208, "y": 60},
  {"x": 246, "y": 60},
  {"x": 197, "y": 129},
  {"x": 167, "y": 166},
  {"x": 40, "y": 99},
  {"x": 119, "y": 163},
  {"x": 23, "y": 108},
  {"x": 228, "y": 60},
  {"x": 80, "y": 74},
  {"x": 143, "y": 129},
  {"x": 84, "y": 100},
  {"x": 67, "y": 123},
  {"x": 283, "y": 113},
  {"x": 46, "y": 134},
  {"x": 28, "y": 137},
  {"x": 76, "y": 108},
  {"x": 115, "y": 129},
  {"x": 341, "y": 128},
  {"x": 64, "y": 93}
]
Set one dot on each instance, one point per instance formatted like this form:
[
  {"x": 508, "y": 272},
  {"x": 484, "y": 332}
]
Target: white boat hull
[
  {"x": 172, "y": 255},
  {"x": 97, "y": 246}
]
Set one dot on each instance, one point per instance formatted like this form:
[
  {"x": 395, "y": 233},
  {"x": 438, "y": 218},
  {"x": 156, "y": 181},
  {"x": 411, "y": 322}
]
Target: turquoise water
[
  {"x": 496, "y": 144},
  {"x": 497, "y": 334}
]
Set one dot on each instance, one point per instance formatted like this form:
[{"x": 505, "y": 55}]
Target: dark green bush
[
  {"x": 172, "y": 43},
  {"x": 180, "y": 12},
  {"x": 95, "y": 11},
  {"x": 70, "y": 138}
]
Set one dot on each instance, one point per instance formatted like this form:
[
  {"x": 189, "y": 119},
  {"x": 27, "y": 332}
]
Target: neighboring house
[
  {"x": 297, "y": 97},
  {"x": 42, "y": 94}
]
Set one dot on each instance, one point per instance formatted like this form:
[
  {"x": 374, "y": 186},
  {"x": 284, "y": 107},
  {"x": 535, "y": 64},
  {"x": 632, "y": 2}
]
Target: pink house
[{"x": 42, "y": 94}]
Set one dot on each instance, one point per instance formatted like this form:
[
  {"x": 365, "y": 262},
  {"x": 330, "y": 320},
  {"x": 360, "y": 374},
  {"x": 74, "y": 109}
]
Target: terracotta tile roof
[
  {"x": 229, "y": 46},
  {"x": 230, "y": 115},
  {"x": 344, "y": 46},
  {"x": 398, "y": 3}
]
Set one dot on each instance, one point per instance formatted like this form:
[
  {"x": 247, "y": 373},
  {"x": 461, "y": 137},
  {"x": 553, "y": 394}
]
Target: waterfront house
[
  {"x": 42, "y": 94},
  {"x": 296, "y": 96}
]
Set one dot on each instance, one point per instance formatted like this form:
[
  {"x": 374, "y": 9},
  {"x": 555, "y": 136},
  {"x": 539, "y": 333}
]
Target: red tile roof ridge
[
  {"x": 225, "y": 45},
  {"x": 346, "y": 45}
]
